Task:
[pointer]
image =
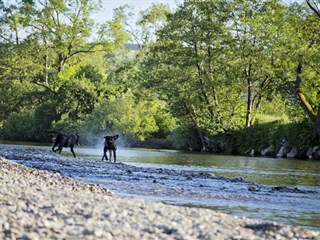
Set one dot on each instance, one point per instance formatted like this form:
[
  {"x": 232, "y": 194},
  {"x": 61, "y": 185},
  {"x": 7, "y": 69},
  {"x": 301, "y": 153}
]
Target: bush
[
  {"x": 44, "y": 115},
  {"x": 124, "y": 115},
  {"x": 20, "y": 126},
  {"x": 186, "y": 137},
  {"x": 300, "y": 135}
]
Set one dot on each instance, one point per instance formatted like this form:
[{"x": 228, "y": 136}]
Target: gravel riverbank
[{"x": 36, "y": 204}]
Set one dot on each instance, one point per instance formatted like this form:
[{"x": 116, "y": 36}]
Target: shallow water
[
  {"x": 229, "y": 196},
  {"x": 267, "y": 171}
]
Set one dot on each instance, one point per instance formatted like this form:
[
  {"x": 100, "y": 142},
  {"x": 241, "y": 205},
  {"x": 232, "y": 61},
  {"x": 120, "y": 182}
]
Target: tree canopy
[{"x": 204, "y": 69}]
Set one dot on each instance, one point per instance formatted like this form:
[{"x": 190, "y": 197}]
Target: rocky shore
[{"x": 37, "y": 204}]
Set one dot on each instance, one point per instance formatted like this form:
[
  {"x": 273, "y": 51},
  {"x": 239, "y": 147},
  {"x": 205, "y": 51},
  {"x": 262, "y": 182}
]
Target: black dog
[
  {"x": 63, "y": 140},
  {"x": 110, "y": 144}
]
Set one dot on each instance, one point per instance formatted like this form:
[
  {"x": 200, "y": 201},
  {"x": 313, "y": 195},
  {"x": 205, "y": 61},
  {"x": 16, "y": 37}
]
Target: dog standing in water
[
  {"x": 110, "y": 145},
  {"x": 63, "y": 140}
]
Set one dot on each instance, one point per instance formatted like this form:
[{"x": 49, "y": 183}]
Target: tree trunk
[
  {"x": 201, "y": 84},
  {"x": 317, "y": 122},
  {"x": 294, "y": 88},
  {"x": 249, "y": 107},
  {"x": 46, "y": 68},
  {"x": 16, "y": 36},
  {"x": 192, "y": 116},
  {"x": 314, "y": 118},
  {"x": 202, "y": 139},
  {"x": 249, "y": 97},
  {"x": 61, "y": 62}
]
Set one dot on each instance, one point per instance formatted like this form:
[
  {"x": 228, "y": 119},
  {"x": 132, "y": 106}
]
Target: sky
[{"x": 106, "y": 12}]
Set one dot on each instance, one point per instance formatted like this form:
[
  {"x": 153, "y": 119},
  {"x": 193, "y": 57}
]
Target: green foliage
[
  {"x": 185, "y": 137},
  {"x": 77, "y": 97},
  {"x": 68, "y": 125},
  {"x": 44, "y": 115},
  {"x": 206, "y": 70},
  {"x": 123, "y": 115},
  {"x": 114, "y": 30},
  {"x": 300, "y": 135},
  {"x": 272, "y": 110},
  {"x": 20, "y": 126},
  {"x": 181, "y": 66}
]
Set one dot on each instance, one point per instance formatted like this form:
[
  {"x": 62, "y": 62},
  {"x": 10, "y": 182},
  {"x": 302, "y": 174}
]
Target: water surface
[
  {"x": 268, "y": 171},
  {"x": 288, "y": 207}
]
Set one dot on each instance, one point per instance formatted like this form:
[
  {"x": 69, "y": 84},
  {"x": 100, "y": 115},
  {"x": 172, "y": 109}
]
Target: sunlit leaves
[
  {"x": 187, "y": 61},
  {"x": 123, "y": 114}
]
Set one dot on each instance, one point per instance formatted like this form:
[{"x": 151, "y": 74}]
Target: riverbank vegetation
[{"x": 220, "y": 76}]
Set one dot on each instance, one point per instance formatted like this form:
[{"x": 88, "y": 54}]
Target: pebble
[{"x": 49, "y": 206}]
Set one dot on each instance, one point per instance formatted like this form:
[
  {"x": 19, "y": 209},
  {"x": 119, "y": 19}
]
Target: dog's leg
[
  {"x": 104, "y": 154},
  {"x": 53, "y": 148},
  {"x": 114, "y": 155},
  {"x": 110, "y": 154},
  {"x": 71, "y": 149},
  {"x": 60, "y": 148}
]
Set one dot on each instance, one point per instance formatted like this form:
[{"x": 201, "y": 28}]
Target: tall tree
[
  {"x": 57, "y": 30},
  {"x": 255, "y": 25},
  {"x": 301, "y": 70},
  {"x": 56, "y": 37},
  {"x": 186, "y": 65}
]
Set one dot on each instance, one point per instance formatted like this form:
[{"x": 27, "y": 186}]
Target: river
[{"x": 282, "y": 190}]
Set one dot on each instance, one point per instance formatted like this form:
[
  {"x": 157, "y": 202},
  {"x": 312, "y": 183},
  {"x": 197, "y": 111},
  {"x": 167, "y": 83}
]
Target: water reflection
[{"x": 267, "y": 171}]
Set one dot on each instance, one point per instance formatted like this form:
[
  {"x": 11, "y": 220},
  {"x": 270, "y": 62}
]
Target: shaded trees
[
  {"x": 301, "y": 68},
  {"x": 216, "y": 62},
  {"x": 255, "y": 28},
  {"x": 64, "y": 67},
  {"x": 210, "y": 57},
  {"x": 215, "y": 65},
  {"x": 185, "y": 65}
]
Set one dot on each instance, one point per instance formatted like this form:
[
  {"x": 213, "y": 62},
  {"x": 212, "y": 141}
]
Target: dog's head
[{"x": 111, "y": 140}]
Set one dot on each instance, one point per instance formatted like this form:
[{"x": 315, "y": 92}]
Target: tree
[
  {"x": 124, "y": 115},
  {"x": 255, "y": 29},
  {"x": 57, "y": 36},
  {"x": 302, "y": 65},
  {"x": 58, "y": 31},
  {"x": 150, "y": 21},
  {"x": 185, "y": 66}
]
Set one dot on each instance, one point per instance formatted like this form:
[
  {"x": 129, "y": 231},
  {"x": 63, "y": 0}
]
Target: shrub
[
  {"x": 44, "y": 115},
  {"x": 186, "y": 137},
  {"x": 300, "y": 135},
  {"x": 124, "y": 115},
  {"x": 20, "y": 126}
]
